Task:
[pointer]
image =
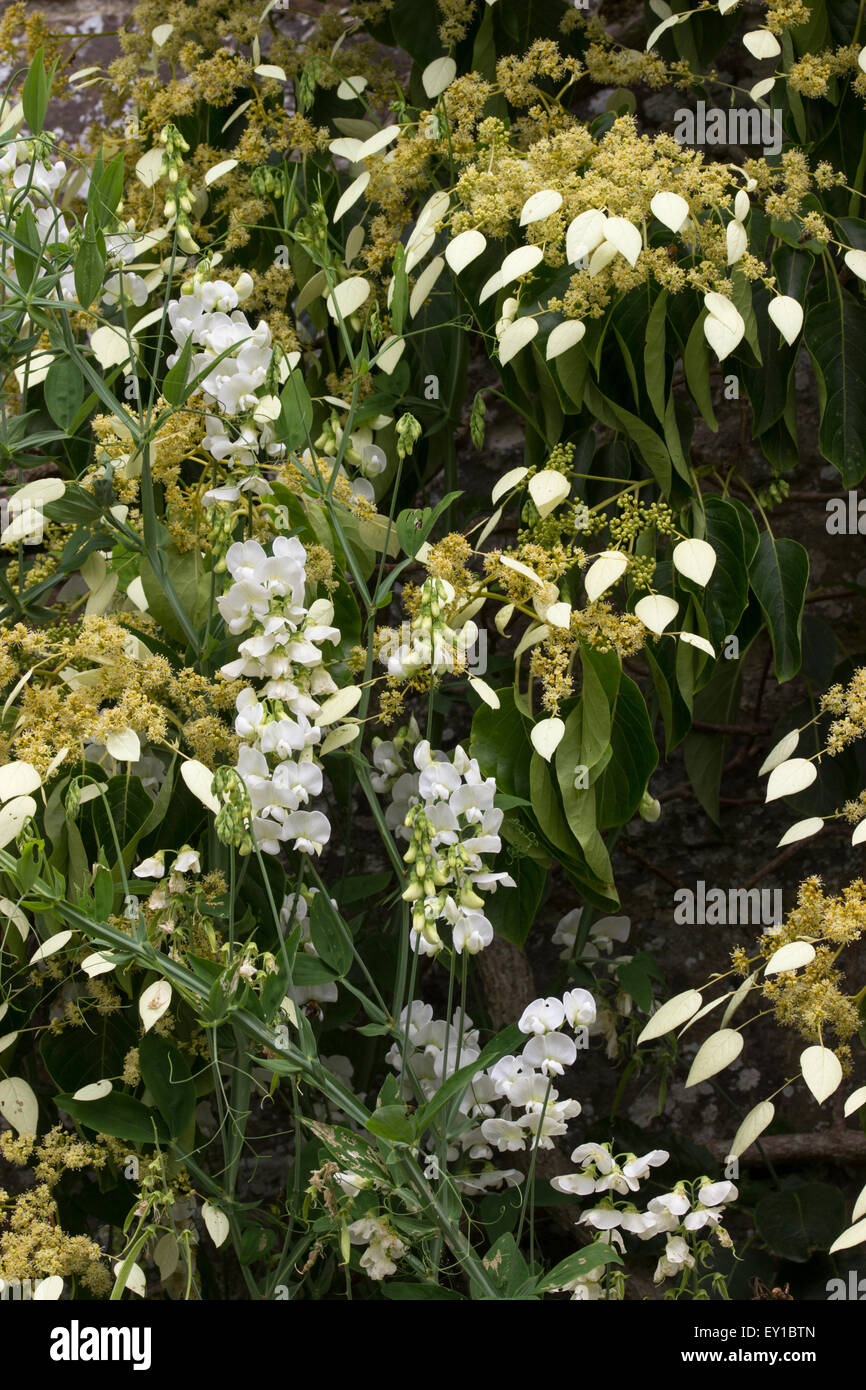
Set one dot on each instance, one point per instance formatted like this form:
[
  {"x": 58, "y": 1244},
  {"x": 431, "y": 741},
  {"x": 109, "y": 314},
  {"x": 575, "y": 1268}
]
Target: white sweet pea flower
[
  {"x": 187, "y": 861},
  {"x": 154, "y": 867},
  {"x": 551, "y": 1053},
  {"x": 542, "y": 1016},
  {"x": 579, "y": 1007}
]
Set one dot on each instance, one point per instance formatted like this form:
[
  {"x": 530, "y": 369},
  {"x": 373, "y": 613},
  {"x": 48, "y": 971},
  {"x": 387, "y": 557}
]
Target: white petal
[
  {"x": 438, "y": 75},
  {"x": 604, "y": 572},
  {"x": 199, "y": 779},
  {"x": 762, "y": 88},
  {"x": 790, "y": 777},
  {"x": 98, "y": 964},
  {"x": 737, "y": 241},
  {"x": 149, "y": 167},
  {"x": 50, "y": 1289},
  {"x": 558, "y": 615},
  {"x": 484, "y": 692},
  {"x": 339, "y": 705},
  {"x": 434, "y": 209},
  {"x": 348, "y": 296},
  {"x": 791, "y": 956},
  {"x": 601, "y": 257},
  {"x": 424, "y": 284},
  {"x": 270, "y": 70},
  {"x": 18, "y": 779},
  {"x": 464, "y": 248},
  {"x": 855, "y": 1235},
  {"x": 109, "y": 346},
  {"x": 660, "y": 29},
  {"x": 787, "y": 315},
  {"x": 124, "y": 747},
  {"x": 18, "y": 1105},
  {"x": 519, "y": 262},
  {"x": 547, "y": 736},
  {"x": 540, "y": 205},
  {"x": 722, "y": 339},
  {"x": 803, "y": 830},
  {"x": 389, "y": 354},
  {"x": 822, "y": 1071},
  {"x": 695, "y": 559},
  {"x": 692, "y": 639},
  {"x": 48, "y": 948},
  {"x": 547, "y": 489},
  {"x": 780, "y": 752},
  {"x": 491, "y": 286},
  {"x": 135, "y": 1280},
  {"x": 516, "y": 337},
  {"x": 855, "y": 1100},
  {"x": 753, "y": 1125},
  {"x": 723, "y": 309},
  {"x": 380, "y": 141},
  {"x": 13, "y": 816},
  {"x": 153, "y": 1003},
  {"x": 671, "y": 1014},
  {"x": 519, "y": 568},
  {"x": 351, "y": 88},
  {"x": 625, "y": 237},
  {"x": 856, "y": 261},
  {"x": 584, "y": 234},
  {"x": 670, "y": 209},
  {"x": 351, "y": 195},
  {"x": 97, "y": 1090},
  {"x": 508, "y": 481},
  {"x": 564, "y": 336},
  {"x": 656, "y": 612},
  {"x": 217, "y": 1223},
  {"x": 719, "y": 1050},
  {"x": 339, "y": 737},
  {"x": 761, "y": 43},
  {"x": 216, "y": 171},
  {"x": 859, "y": 834}
]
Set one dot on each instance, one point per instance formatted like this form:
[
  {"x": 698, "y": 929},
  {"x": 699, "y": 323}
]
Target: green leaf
[
  {"x": 390, "y": 1122},
  {"x": 118, "y": 1115},
  {"x": 89, "y": 269},
  {"x": 81, "y": 1056},
  {"x": 654, "y": 355},
  {"x": 696, "y": 363},
  {"x": 778, "y": 575},
  {"x": 803, "y": 1219},
  {"x": 330, "y": 937},
  {"x": 504, "y": 1043},
  {"x": 64, "y": 391},
  {"x": 174, "y": 386},
  {"x": 166, "y": 1074},
  {"x": 35, "y": 93},
  {"x": 511, "y": 911},
  {"x": 296, "y": 417},
  {"x": 835, "y": 333},
  {"x": 580, "y": 1263}
]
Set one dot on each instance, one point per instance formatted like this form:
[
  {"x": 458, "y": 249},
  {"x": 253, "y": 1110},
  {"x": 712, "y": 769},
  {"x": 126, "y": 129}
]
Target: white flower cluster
[
  {"x": 428, "y": 642},
  {"x": 436, "y": 1050},
  {"x": 526, "y": 1082},
  {"x": 675, "y": 1214},
  {"x": 207, "y": 312},
  {"x": 32, "y": 176},
  {"x": 445, "y": 810},
  {"x": 384, "y": 1246},
  {"x": 278, "y": 723}
]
